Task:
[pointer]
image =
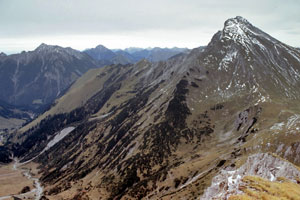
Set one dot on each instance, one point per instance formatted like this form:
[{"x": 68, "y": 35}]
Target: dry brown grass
[
  {"x": 259, "y": 188},
  {"x": 12, "y": 181}
]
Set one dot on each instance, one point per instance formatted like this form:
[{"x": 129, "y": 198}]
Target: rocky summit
[{"x": 219, "y": 122}]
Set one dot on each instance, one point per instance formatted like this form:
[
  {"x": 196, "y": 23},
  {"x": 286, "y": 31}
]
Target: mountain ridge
[
  {"x": 132, "y": 54},
  {"x": 164, "y": 130},
  {"x": 35, "y": 78}
]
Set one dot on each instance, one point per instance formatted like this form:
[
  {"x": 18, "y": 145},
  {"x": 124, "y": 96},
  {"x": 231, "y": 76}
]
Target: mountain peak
[
  {"x": 101, "y": 47},
  {"x": 45, "y": 47},
  {"x": 236, "y": 29},
  {"x": 240, "y": 31},
  {"x": 2, "y": 54},
  {"x": 238, "y": 19},
  {"x": 237, "y": 22}
]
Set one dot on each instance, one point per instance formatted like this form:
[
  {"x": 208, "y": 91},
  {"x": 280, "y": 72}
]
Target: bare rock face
[
  {"x": 25, "y": 189},
  {"x": 264, "y": 165}
]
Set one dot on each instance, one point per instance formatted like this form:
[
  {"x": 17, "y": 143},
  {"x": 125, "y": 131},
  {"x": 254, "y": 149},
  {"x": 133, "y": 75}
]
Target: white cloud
[{"x": 86, "y": 23}]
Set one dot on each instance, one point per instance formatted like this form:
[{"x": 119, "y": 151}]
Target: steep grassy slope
[{"x": 259, "y": 188}]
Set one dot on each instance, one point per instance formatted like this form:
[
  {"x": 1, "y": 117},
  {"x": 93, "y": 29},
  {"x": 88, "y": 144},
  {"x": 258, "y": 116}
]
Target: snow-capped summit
[
  {"x": 237, "y": 29},
  {"x": 248, "y": 54},
  {"x": 240, "y": 31}
]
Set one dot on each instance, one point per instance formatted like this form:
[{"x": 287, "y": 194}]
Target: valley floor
[{"x": 19, "y": 181}]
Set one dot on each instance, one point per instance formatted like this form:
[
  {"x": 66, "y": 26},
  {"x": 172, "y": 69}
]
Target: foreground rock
[{"x": 263, "y": 165}]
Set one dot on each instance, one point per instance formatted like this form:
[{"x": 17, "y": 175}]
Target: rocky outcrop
[{"x": 264, "y": 165}]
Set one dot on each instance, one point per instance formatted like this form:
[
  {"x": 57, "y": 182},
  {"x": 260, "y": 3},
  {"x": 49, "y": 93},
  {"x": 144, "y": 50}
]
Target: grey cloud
[{"x": 78, "y": 17}]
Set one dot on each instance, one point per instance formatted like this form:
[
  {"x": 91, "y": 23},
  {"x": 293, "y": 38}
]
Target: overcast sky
[{"x": 81, "y": 24}]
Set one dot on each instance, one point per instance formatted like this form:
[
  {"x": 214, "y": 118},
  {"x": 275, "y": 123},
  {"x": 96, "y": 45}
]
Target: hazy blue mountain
[
  {"x": 2, "y": 54},
  {"x": 106, "y": 56},
  {"x": 100, "y": 52},
  {"x": 155, "y": 54},
  {"x": 36, "y": 78},
  {"x": 132, "y": 54},
  {"x": 133, "y": 49}
]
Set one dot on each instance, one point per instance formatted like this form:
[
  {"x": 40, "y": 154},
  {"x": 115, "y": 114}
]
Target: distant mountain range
[
  {"x": 132, "y": 55},
  {"x": 33, "y": 80}
]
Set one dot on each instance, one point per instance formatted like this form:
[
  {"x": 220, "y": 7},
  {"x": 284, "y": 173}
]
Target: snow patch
[
  {"x": 277, "y": 126},
  {"x": 5, "y": 197},
  {"x": 101, "y": 116},
  {"x": 229, "y": 57},
  {"x": 58, "y": 137},
  {"x": 235, "y": 30},
  {"x": 262, "y": 47},
  {"x": 293, "y": 120}
]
